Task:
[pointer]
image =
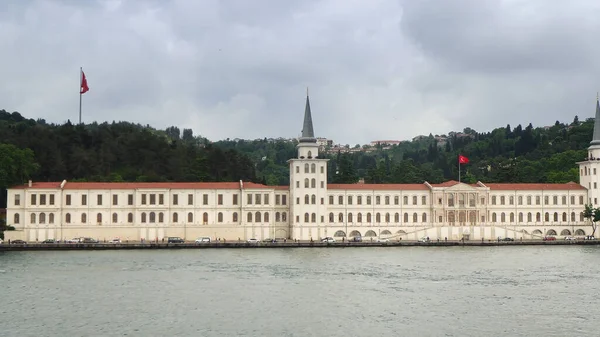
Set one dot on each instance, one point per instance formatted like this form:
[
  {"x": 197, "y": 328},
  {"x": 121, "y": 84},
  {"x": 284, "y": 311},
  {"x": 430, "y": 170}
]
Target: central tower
[
  {"x": 589, "y": 169},
  {"x": 308, "y": 185}
]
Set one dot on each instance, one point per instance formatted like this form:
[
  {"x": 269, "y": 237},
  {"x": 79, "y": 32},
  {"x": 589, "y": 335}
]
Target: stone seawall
[{"x": 290, "y": 244}]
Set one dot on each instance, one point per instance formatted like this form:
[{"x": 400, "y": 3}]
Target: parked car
[
  {"x": 49, "y": 241},
  {"x": 175, "y": 239},
  {"x": 383, "y": 240},
  {"x": 203, "y": 240},
  {"x": 74, "y": 240},
  {"x": 549, "y": 238},
  {"x": 508, "y": 239},
  {"x": 18, "y": 242},
  {"x": 268, "y": 240},
  {"x": 89, "y": 240},
  {"x": 328, "y": 239},
  {"x": 569, "y": 238},
  {"x": 115, "y": 241},
  {"x": 356, "y": 239},
  {"x": 253, "y": 241},
  {"x": 424, "y": 239}
]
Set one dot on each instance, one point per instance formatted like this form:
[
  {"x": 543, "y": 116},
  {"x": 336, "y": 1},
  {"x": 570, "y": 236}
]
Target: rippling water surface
[{"x": 418, "y": 291}]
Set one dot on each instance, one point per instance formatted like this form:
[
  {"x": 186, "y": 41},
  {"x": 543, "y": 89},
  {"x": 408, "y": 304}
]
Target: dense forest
[{"x": 34, "y": 149}]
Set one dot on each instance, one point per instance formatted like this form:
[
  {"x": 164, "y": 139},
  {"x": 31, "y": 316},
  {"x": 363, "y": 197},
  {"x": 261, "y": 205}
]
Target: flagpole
[
  {"x": 80, "y": 80},
  {"x": 459, "y": 171}
]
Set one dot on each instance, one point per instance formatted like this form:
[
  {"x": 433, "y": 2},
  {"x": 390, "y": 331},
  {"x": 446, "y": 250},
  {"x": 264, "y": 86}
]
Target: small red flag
[
  {"x": 84, "y": 86},
  {"x": 462, "y": 159}
]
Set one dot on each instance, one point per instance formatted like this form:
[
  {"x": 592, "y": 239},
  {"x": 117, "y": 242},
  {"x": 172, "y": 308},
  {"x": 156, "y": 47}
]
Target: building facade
[{"x": 309, "y": 208}]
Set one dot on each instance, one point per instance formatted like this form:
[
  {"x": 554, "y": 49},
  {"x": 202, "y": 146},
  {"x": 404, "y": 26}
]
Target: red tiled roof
[
  {"x": 535, "y": 186},
  {"x": 158, "y": 185},
  {"x": 378, "y": 187}
]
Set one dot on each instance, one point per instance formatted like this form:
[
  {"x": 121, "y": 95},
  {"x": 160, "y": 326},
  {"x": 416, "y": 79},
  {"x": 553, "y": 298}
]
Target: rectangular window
[
  {"x": 84, "y": 200},
  {"x": 396, "y": 200},
  {"x": 175, "y": 199},
  {"x": 42, "y": 199},
  {"x": 51, "y": 202},
  {"x": 34, "y": 199},
  {"x": 349, "y": 200},
  {"x": 581, "y": 199},
  {"x": 257, "y": 199},
  {"x": 537, "y": 199},
  {"x": 161, "y": 199},
  {"x": 297, "y": 201},
  {"x": 68, "y": 200},
  {"x": 284, "y": 200},
  {"x": 414, "y": 200},
  {"x": 190, "y": 199},
  {"x": 204, "y": 199},
  {"x": 99, "y": 199},
  {"x": 277, "y": 199},
  {"x": 235, "y": 199},
  {"x": 322, "y": 201},
  {"x": 572, "y": 200},
  {"x": 220, "y": 199},
  {"x": 249, "y": 199},
  {"x": 424, "y": 200},
  {"x": 143, "y": 199},
  {"x": 340, "y": 200},
  {"x": 17, "y": 199},
  {"x": 331, "y": 199},
  {"x": 359, "y": 200},
  {"x": 555, "y": 198},
  {"x": 115, "y": 199},
  {"x": 322, "y": 184},
  {"x": 152, "y": 199},
  {"x": 266, "y": 199}
]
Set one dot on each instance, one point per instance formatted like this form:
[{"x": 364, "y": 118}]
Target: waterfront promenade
[{"x": 288, "y": 244}]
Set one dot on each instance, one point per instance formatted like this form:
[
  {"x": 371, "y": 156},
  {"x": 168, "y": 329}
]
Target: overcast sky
[{"x": 376, "y": 69}]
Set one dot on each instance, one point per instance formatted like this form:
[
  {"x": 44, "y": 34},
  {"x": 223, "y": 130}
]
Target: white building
[{"x": 308, "y": 208}]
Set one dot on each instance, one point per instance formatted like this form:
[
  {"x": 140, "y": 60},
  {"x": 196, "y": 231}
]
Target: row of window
[
  {"x": 154, "y": 199},
  {"x": 585, "y": 171},
  {"x": 386, "y": 200},
  {"x": 153, "y": 217},
  {"x": 538, "y": 199},
  {"x": 313, "y": 167},
  {"x": 538, "y": 217},
  {"x": 313, "y": 183}
]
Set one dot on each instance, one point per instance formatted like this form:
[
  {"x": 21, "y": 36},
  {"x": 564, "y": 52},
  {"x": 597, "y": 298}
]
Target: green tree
[{"x": 593, "y": 215}]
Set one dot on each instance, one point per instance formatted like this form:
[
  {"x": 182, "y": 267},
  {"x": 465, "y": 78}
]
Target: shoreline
[{"x": 301, "y": 244}]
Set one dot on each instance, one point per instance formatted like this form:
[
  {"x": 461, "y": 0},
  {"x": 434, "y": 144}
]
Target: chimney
[
  {"x": 30, "y": 183},
  {"x": 361, "y": 180}
]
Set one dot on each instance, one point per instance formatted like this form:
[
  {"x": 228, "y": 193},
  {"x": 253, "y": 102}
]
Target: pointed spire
[
  {"x": 596, "y": 137},
  {"x": 308, "y": 134}
]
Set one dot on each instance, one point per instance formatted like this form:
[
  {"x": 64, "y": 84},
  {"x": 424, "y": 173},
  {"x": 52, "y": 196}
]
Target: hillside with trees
[{"x": 121, "y": 151}]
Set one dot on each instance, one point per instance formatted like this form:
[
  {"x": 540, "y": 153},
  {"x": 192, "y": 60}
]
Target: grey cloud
[{"x": 238, "y": 69}]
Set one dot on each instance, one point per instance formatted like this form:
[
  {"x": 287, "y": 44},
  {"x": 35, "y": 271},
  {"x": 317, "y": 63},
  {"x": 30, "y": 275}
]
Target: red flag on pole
[
  {"x": 462, "y": 159},
  {"x": 84, "y": 86}
]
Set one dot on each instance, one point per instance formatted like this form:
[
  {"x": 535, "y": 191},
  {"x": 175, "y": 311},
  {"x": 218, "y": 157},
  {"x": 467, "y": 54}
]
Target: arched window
[
  {"x": 283, "y": 216},
  {"x": 573, "y": 217},
  {"x": 555, "y": 217},
  {"x": 564, "y": 216},
  {"x": 277, "y": 217},
  {"x": 349, "y": 217},
  {"x": 235, "y": 217},
  {"x": 359, "y": 217},
  {"x": 405, "y": 199},
  {"x": 309, "y": 155},
  {"x": 152, "y": 217},
  {"x": 83, "y": 218},
  {"x": 32, "y": 218},
  {"x": 161, "y": 217},
  {"x": 249, "y": 217},
  {"x": 369, "y": 217},
  {"x": 16, "y": 218},
  {"x": 306, "y": 168},
  {"x": 306, "y": 199},
  {"x": 266, "y": 216},
  {"x": 42, "y": 218},
  {"x": 397, "y": 217},
  {"x": 387, "y": 199},
  {"x": 313, "y": 168},
  {"x": 424, "y": 217},
  {"x": 377, "y": 217},
  {"x": 331, "y": 217},
  {"x": 313, "y": 218},
  {"x": 512, "y": 217},
  {"x": 547, "y": 216},
  {"x": 529, "y": 217},
  {"x": 502, "y": 217},
  {"x": 205, "y": 218},
  {"x": 405, "y": 217},
  {"x": 175, "y": 218},
  {"x": 313, "y": 199},
  {"x": 341, "y": 217},
  {"x": 190, "y": 217},
  {"x": 67, "y": 217},
  {"x": 51, "y": 218},
  {"x": 520, "y": 217},
  {"x": 306, "y": 217},
  {"x": 115, "y": 218},
  {"x": 143, "y": 217},
  {"x": 313, "y": 182},
  {"x": 538, "y": 217},
  {"x": 257, "y": 217},
  {"x": 387, "y": 217},
  {"x": 220, "y": 217},
  {"x": 494, "y": 217},
  {"x": 130, "y": 217},
  {"x": 305, "y": 182},
  {"x": 377, "y": 200},
  {"x": 415, "y": 217},
  {"x": 99, "y": 218}
]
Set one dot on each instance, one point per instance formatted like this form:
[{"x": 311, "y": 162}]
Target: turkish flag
[
  {"x": 84, "y": 86},
  {"x": 462, "y": 159}
]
